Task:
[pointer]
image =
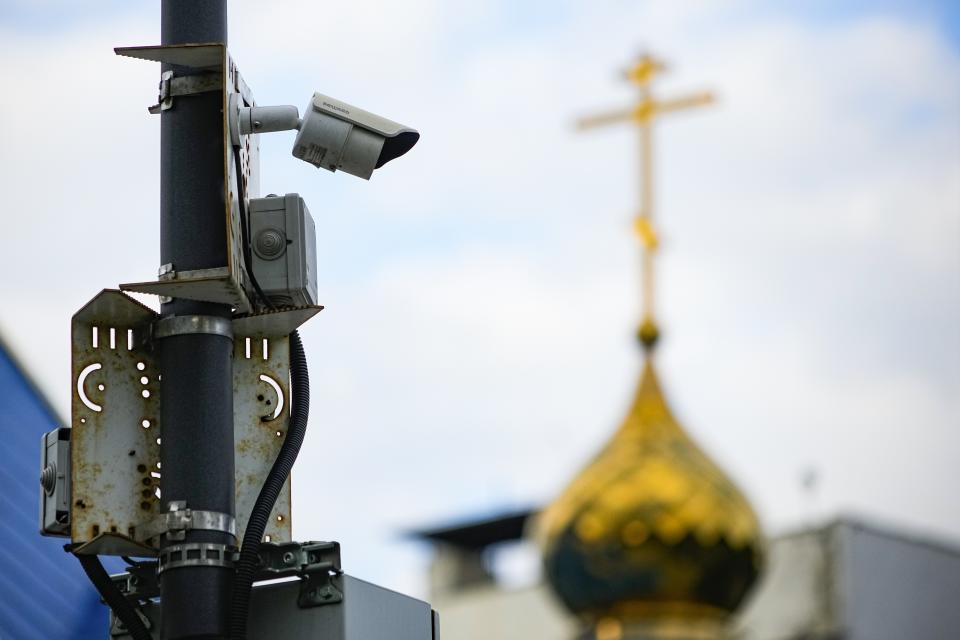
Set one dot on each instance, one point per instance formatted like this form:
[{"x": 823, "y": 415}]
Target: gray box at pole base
[
  {"x": 284, "y": 250},
  {"x": 365, "y": 612}
]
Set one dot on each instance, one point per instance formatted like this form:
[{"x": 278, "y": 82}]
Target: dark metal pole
[{"x": 196, "y": 369}]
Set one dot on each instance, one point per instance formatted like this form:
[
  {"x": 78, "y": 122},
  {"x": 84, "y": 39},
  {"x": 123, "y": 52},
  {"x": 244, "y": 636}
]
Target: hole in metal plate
[
  {"x": 276, "y": 388},
  {"x": 90, "y": 404}
]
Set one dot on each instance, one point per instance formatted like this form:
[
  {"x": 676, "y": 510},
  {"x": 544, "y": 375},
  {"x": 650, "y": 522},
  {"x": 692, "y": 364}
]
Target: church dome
[{"x": 651, "y": 529}]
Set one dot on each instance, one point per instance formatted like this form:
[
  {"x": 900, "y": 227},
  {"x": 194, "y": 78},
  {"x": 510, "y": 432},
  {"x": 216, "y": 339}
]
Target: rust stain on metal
[
  {"x": 255, "y": 440},
  {"x": 115, "y": 409},
  {"x": 107, "y": 404}
]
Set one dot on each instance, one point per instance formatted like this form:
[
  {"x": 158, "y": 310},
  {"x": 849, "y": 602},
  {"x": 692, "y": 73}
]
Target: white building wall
[
  {"x": 488, "y": 613},
  {"x": 845, "y": 581}
]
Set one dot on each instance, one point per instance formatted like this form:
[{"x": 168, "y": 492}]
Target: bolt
[{"x": 288, "y": 557}]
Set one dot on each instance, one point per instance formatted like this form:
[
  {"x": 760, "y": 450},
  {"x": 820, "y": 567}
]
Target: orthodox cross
[{"x": 642, "y": 114}]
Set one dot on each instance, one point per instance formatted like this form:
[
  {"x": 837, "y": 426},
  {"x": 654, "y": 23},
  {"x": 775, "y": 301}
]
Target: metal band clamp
[
  {"x": 176, "y": 522},
  {"x": 196, "y": 554},
  {"x": 182, "y": 325},
  {"x": 172, "y": 86}
]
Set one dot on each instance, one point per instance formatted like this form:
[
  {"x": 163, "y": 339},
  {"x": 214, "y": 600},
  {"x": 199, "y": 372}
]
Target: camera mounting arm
[{"x": 247, "y": 120}]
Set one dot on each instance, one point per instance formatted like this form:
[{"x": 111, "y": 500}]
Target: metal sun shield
[{"x": 117, "y": 435}]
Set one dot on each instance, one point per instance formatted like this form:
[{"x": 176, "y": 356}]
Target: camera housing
[{"x": 337, "y": 136}]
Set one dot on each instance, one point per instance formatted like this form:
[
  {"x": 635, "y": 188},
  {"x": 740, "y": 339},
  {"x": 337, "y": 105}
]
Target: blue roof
[{"x": 43, "y": 591}]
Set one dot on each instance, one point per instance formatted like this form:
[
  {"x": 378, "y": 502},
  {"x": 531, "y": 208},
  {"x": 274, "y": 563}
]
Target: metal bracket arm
[
  {"x": 298, "y": 558},
  {"x": 317, "y": 564}
]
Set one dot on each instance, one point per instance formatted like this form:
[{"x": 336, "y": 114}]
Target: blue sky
[
  {"x": 512, "y": 19},
  {"x": 480, "y": 290}
]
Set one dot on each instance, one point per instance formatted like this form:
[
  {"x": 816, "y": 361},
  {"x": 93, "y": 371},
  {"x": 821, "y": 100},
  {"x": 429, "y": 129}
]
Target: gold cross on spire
[{"x": 642, "y": 114}]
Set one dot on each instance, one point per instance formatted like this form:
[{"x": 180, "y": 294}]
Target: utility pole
[
  {"x": 186, "y": 424},
  {"x": 195, "y": 368}
]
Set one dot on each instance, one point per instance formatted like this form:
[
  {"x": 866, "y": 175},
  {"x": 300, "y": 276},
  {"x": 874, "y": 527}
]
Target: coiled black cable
[
  {"x": 111, "y": 594},
  {"x": 259, "y": 516}
]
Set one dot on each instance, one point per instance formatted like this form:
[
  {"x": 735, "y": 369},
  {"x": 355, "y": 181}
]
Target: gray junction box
[
  {"x": 284, "y": 249},
  {"x": 55, "y": 482}
]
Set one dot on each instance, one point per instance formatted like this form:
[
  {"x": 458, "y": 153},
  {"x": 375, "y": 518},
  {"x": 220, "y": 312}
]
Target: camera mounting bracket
[{"x": 208, "y": 67}]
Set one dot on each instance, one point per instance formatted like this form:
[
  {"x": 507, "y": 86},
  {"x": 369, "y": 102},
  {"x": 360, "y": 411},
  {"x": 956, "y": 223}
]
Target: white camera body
[{"x": 334, "y": 135}]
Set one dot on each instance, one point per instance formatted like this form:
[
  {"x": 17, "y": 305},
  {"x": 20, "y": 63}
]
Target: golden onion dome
[{"x": 651, "y": 530}]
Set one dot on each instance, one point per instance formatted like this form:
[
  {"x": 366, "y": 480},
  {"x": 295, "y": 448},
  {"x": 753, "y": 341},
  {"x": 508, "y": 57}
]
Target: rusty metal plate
[
  {"x": 117, "y": 438},
  {"x": 207, "y": 285},
  {"x": 115, "y": 455},
  {"x": 261, "y": 408},
  {"x": 200, "y": 56}
]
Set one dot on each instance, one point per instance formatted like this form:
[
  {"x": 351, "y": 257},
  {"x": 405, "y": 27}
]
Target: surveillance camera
[
  {"x": 335, "y": 136},
  {"x": 332, "y": 135}
]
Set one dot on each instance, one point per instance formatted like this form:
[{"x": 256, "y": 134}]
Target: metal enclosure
[
  {"x": 55, "y": 482},
  {"x": 365, "y": 612},
  {"x": 284, "y": 249}
]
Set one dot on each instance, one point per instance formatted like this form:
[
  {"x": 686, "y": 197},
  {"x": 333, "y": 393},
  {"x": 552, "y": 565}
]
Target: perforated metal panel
[{"x": 117, "y": 433}]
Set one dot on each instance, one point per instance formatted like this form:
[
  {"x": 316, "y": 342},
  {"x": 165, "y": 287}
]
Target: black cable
[
  {"x": 260, "y": 515},
  {"x": 245, "y": 230},
  {"x": 111, "y": 594}
]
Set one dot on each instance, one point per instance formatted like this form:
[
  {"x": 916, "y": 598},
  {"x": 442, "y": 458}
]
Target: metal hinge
[
  {"x": 282, "y": 559},
  {"x": 172, "y": 86},
  {"x": 317, "y": 564},
  {"x": 318, "y": 589}
]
